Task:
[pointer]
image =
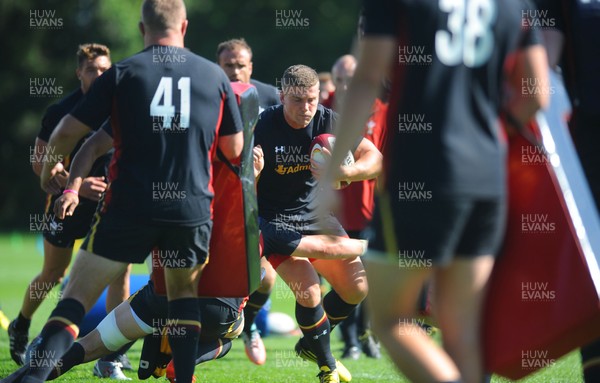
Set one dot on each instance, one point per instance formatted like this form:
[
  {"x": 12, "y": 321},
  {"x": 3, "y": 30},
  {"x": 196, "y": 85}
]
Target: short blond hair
[
  {"x": 162, "y": 15},
  {"x": 299, "y": 76}
]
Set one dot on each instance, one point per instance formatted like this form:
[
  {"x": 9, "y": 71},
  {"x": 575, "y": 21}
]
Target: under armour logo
[
  {"x": 279, "y": 149},
  {"x": 370, "y": 125},
  {"x": 317, "y": 336}
]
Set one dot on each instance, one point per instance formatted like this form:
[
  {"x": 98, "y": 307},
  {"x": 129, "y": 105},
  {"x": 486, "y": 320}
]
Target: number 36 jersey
[
  {"x": 167, "y": 108},
  {"x": 448, "y": 74}
]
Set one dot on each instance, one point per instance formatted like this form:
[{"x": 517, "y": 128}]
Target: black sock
[
  {"x": 316, "y": 329},
  {"x": 115, "y": 355},
  {"x": 212, "y": 349},
  {"x": 73, "y": 357},
  {"x": 590, "y": 361},
  {"x": 336, "y": 308},
  {"x": 22, "y": 324},
  {"x": 184, "y": 331},
  {"x": 256, "y": 301},
  {"x": 362, "y": 320},
  {"x": 349, "y": 330},
  {"x": 57, "y": 336}
]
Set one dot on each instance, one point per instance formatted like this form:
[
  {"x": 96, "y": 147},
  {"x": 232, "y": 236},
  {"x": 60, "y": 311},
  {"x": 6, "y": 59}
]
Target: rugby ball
[
  {"x": 281, "y": 324},
  {"x": 316, "y": 153}
]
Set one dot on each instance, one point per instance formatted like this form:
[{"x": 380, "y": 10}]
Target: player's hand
[
  {"x": 317, "y": 168},
  {"x": 65, "y": 205},
  {"x": 58, "y": 179},
  {"x": 259, "y": 160},
  {"x": 92, "y": 188}
]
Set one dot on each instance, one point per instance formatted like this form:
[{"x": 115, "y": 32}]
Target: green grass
[{"x": 21, "y": 260}]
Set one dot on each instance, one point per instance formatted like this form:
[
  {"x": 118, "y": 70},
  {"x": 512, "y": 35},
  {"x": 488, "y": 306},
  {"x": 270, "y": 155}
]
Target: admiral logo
[
  {"x": 536, "y": 359},
  {"x": 413, "y": 191},
  {"x": 534, "y": 86},
  {"x": 413, "y": 259},
  {"x": 167, "y": 191},
  {"x": 168, "y": 54},
  {"x": 45, "y": 153},
  {"x": 413, "y": 123},
  {"x": 290, "y": 160},
  {"x": 44, "y": 223},
  {"x": 44, "y": 87},
  {"x": 44, "y": 19},
  {"x": 537, "y": 224},
  {"x": 534, "y": 18},
  {"x": 413, "y": 55},
  {"x": 537, "y": 292},
  {"x": 413, "y": 326},
  {"x": 533, "y": 155},
  {"x": 290, "y": 19}
]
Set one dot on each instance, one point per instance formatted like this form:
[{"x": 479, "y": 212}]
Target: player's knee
[
  {"x": 53, "y": 276},
  {"x": 354, "y": 293},
  {"x": 309, "y": 297}
]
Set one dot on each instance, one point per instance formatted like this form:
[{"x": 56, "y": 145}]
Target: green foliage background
[{"x": 50, "y": 53}]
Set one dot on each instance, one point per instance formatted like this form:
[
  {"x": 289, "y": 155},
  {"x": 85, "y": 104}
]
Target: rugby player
[
  {"x": 294, "y": 243},
  {"x": 169, "y": 110},
  {"x": 145, "y": 314},
  {"x": 235, "y": 58},
  {"x": 357, "y": 209},
  {"x": 92, "y": 60},
  {"x": 456, "y": 86}
]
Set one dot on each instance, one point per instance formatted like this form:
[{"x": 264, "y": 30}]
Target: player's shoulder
[
  {"x": 64, "y": 105},
  {"x": 269, "y": 118}
]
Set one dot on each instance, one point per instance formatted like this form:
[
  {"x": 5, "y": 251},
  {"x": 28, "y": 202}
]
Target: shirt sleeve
[
  {"x": 530, "y": 35},
  {"x": 96, "y": 106},
  {"x": 107, "y": 127},
  {"x": 50, "y": 120},
  {"x": 231, "y": 122}
]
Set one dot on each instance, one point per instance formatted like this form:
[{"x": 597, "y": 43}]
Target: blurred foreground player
[
  {"x": 449, "y": 63},
  {"x": 169, "y": 110}
]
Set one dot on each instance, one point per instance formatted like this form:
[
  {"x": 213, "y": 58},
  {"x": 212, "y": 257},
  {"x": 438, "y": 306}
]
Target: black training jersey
[
  {"x": 52, "y": 117},
  {"x": 267, "y": 95},
  {"x": 448, "y": 74},
  {"x": 167, "y": 106},
  {"x": 286, "y": 188},
  {"x": 579, "y": 21}
]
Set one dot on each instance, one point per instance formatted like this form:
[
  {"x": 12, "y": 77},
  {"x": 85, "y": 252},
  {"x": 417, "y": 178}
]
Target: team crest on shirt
[{"x": 290, "y": 159}]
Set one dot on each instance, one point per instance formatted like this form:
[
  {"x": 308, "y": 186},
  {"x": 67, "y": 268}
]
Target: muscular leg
[
  {"x": 89, "y": 276},
  {"x": 56, "y": 262},
  {"x": 303, "y": 280},
  {"x": 459, "y": 293},
  {"x": 118, "y": 290},
  {"x": 393, "y": 305},
  {"x": 184, "y": 319},
  {"x": 329, "y": 247}
]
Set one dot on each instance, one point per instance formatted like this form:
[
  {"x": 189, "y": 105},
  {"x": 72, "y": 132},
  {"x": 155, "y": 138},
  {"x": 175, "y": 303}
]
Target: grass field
[{"x": 21, "y": 260}]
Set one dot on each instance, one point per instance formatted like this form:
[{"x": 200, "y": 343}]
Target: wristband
[{"x": 70, "y": 191}]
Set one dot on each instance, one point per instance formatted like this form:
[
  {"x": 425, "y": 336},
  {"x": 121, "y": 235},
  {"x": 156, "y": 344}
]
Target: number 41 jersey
[
  {"x": 167, "y": 108},
  {"x": 448, "y": 73}
]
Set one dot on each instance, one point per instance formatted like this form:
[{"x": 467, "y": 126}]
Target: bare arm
[
  {"x": 36, "y": 162},
  {"x": 231, "y": 145},
  {"x": 92, "y": 149},
  {"x": 530, "y": 67},
  {"x": 63, "y": 140},
  {"x": 375, "y": 54}
]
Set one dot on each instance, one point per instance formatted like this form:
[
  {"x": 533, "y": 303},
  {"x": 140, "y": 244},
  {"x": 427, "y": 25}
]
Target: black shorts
[
  {"x": 282, "y": 237},
  {"x": 433, "y": 232},
  {"x": 219, "y": 316},
  {"x": 118, "y": 236},
  {"x": 72, "y": 227}
]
